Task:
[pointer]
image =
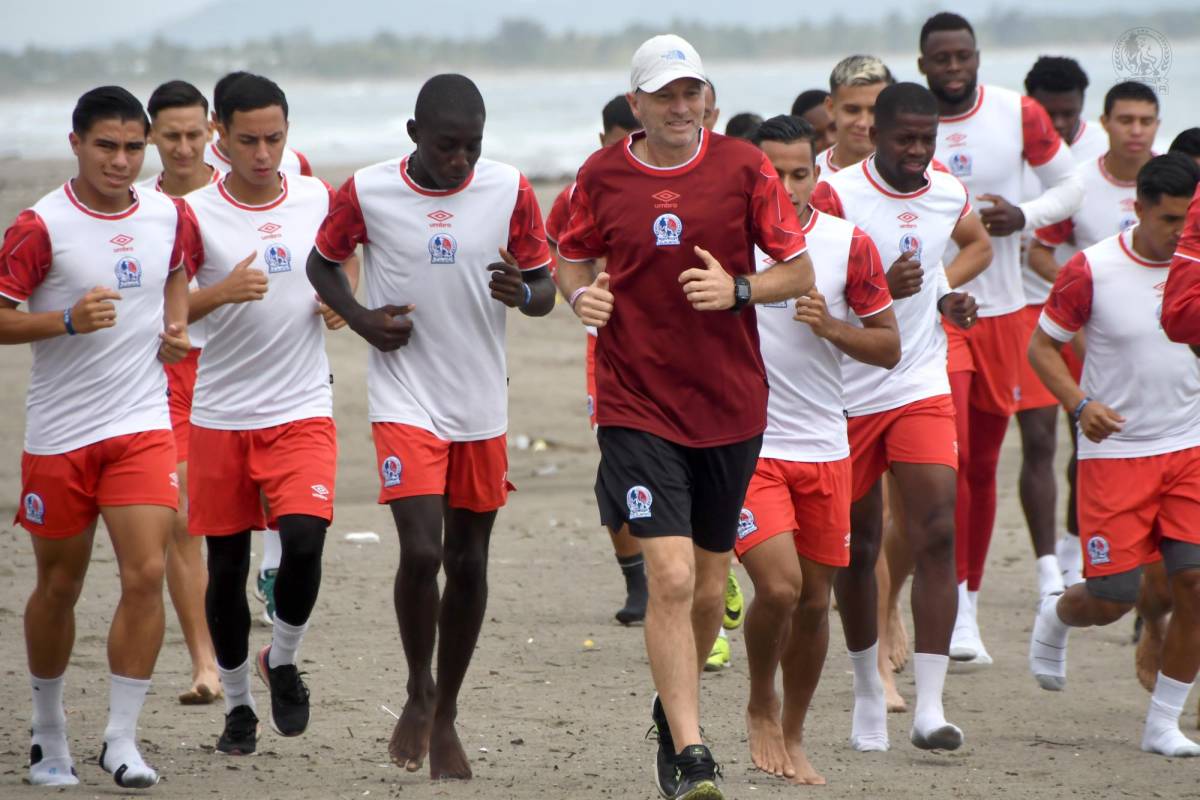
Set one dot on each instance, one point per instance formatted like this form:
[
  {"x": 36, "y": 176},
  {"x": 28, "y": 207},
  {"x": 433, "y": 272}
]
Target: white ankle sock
[
  {"x": 930, "y": 730},
  {"x": 868, "y": 728},
  {"x": 272, "y": 551},
  {"x": 285, "y": 641},
  {"x": 973, "y": 598},
  {"x": 1048, "y": 646},
  {"x": 1162, "y": 734},
  {"x": 235, "y": 684},
  {"x": 1070, "y": 559},
  {"x": 54, "y": 766},
  {"x": 1049, "y": 576},
  {"x": 120, "y": 755}
]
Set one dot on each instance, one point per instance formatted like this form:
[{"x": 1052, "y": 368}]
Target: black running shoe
[
  {"x": 697, "y": 774},
  {"x": 289, "y": 695},
  {"x": 665, "y": 775},
  {"x": 240, "y": 737}
]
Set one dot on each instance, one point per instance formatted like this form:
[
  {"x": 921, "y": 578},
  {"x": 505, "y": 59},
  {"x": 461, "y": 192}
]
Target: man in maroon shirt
[
  {"x": 1181, "y": 299},
  {"x": 676, "y": 211}
]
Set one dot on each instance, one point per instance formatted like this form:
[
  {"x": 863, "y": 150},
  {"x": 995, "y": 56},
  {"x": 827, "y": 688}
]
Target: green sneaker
[
  {"x": 735, "y": 603},
  {"x": 264, "y": 590},
  {"x": 719, "y": 657}
]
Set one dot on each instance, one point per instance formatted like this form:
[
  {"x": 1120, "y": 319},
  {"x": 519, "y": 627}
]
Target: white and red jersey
[
  {"x": 898, "y": 222},
  {"x": 825, "y": 162},
  {"x": 1107, "y": 209},
  {"x": 1090, "y": 143},
  {"x": 431, "y": 249},
  {"x": 197, "y": 331},
  {"x": 987, "y": 148},
  {"x": 1115, "y": 297},
  {"x": 806, "y": 418},
  {"x": 264, "y": 362},
  {"x": 90, "y": 387},
  {"x": 293, "y": 163}
]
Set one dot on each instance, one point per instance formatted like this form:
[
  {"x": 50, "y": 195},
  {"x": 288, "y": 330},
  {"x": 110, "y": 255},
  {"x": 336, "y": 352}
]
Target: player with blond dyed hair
[{"x": 853, "y": 86}]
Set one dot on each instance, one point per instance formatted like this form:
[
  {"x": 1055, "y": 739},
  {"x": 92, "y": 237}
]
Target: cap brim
[{"x": 662, "y": 79}]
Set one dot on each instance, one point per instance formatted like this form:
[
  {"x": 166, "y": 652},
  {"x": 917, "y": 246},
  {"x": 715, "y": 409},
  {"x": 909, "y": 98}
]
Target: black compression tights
[{"x": 296, "y": 585}]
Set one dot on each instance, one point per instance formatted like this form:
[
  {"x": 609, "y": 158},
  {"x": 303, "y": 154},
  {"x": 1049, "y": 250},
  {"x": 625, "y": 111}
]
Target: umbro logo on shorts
[
  {"x": 174, "y": 479},
  {"x": 320, "y": 491}
]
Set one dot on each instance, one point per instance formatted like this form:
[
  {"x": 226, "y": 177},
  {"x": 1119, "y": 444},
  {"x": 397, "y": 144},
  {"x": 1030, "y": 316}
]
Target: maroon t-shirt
[{"x": 695, "y": 378}]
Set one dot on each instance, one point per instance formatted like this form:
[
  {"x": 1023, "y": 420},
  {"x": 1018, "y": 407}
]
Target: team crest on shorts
[
  {"x": 35, "y": 509},
  {"x": 960, "y": 165},
  {"x": 442, "y": 248},
  {"x": 639, "y": 500},
  {"x": 278, "y": 258},
  {"x": 1097, "y": 550},
  {"x": 746, "y": 524},
  {"x": 129, "y": 273},
  {"x": 910, "y": 241},
  {"x": 390, "y": 470},
  {"x": 668, "y": 230}
]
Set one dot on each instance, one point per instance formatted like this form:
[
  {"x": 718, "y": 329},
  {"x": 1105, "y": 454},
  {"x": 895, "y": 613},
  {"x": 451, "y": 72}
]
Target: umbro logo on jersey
[
  {"x": 666, "y": 199},
  {"x": 270, "y": 230},
  {"x": 907, "y": 219},
  {"x": 122, "y": 242},
  {"x": 956, "y": 139},
  {"x": 440, "y": 218}
]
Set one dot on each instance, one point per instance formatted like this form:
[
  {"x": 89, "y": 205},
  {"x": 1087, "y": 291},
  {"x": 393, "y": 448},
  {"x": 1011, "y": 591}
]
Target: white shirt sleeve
[
  {"x": 1063, "y": 195},
  {"x": 943, "y": 283}
]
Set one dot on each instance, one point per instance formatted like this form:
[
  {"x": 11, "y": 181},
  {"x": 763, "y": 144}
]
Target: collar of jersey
[
  {"x": 431, "y": 192},
  {"x": 812, "y": 220},
  {"x": 1128, "y": 249},
  {"x": 217, "y": 152},
  {"x": 876, "y": 180},
  {"x": 666, "y": 172},
  {"x": 283, "y": 182},
  {"x": 1104, "y": 173},
  {"x": 978, "y": 105},
  {"x": 75, "y": 201},
  {"x": 215, "y": 177}
]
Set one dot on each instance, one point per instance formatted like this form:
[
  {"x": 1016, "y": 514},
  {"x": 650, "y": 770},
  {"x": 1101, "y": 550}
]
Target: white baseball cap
[{"x": 663, "y": 59}]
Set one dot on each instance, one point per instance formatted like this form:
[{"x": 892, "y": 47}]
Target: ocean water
[{"x": 546, "y": 124}]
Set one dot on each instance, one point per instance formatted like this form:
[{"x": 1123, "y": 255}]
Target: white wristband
[{"x": 575, "y": 296}]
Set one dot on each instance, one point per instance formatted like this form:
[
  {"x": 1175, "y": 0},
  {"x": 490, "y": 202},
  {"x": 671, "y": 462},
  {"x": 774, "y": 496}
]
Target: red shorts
[
  {"x": 1033, "y": 393},
  {"x": 590, "y": 360},
  {"x": 181, "y": 384},
  {"x": 1126, "y": 505},
  {"x": 292, "y": 466},
  {"x": 413, "y": 462},
  {"x": 809, "y": 500},
  {"x": 994, "y": 349},
  {"x": 922, "y": 432},
  {"x": 62, "y": 494}
]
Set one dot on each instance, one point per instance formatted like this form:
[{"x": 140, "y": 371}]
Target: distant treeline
[{"x": 524, "y": 43}]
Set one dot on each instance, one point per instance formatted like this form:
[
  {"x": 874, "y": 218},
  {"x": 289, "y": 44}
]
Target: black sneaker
[
  {"x": 240, "y": 737},
  {"x": 665, "y": 775},
  {"x": 289, "y": 695},
  {"x": 697, "y": 774}
]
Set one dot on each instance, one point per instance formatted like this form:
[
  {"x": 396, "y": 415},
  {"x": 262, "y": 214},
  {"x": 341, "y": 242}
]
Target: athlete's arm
[
  {"x": 876, "y": 343},
  {"x": 974, "y": 250},
  {"x": 711, "y": 288},
  {"x": 530, "y": 290},
  {"x": 1097, "y": 421},
  {"x": 92, "y": 312},
  {"x": 1042, "y": 260},
  {"x": 387, "y": 328},
  {"x": 1063, "y": 195},
  {"x": 175, "y": 342},
  {"x": 241, "y": 285},
  {"x": 333, "y": 320}
]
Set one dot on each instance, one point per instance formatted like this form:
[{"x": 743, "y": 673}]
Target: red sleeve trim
[
  {"x": 825, "y": 199},
  {"x": 582, "y": 240},
  {"x": 305, "y": 167},
  {"x": 1070, "y": 303},
  {"x": 25, "y": 256},
  {"x": 1041, "y": 140},
  {"x": 1056, "y": 234},
  {"x": 344, "y": 227},
  {"x": 526, "y": 231},
  {"x": 867, "y": 291},
  {"x": 189, "y": 245}
]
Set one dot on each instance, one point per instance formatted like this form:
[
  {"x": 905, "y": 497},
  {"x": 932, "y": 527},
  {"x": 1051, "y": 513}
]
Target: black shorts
[{"x": 665, "y": 489}]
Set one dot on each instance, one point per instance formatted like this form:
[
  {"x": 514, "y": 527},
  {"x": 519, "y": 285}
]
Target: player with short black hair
[
  {"x": 810, "y": 104},
  {"x": 103, "y": 269},
  {"x": 743, "y": 125},
  {"x": 438, "y": 400},
  {"x": 1139, "y": 458},
  {"x": 1188, "y": 143}
]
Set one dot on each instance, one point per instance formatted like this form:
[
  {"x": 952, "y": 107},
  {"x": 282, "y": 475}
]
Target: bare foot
[
  {"x": 767, "y": 749},
  {"x": 447, "y": 759},
  {"x": 891, "y": 695},
  {"x": 1148, "y": 656},
  {"x": 410, "y": 737},
  {"x": 805, "y": 774},
  {"x": 897, "y": 639},
  {"x": 206, "y": 688}
]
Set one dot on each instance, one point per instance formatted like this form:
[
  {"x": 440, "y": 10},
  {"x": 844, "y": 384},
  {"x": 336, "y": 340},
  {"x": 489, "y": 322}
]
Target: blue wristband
[
  {"x": 528, "y": 295},
  {"x": 67, "y": 322},
  {"x": 1079, "y": 408}
]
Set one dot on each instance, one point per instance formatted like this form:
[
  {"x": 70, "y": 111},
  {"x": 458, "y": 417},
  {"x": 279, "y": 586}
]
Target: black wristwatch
[{"x": 741, "y": 293}]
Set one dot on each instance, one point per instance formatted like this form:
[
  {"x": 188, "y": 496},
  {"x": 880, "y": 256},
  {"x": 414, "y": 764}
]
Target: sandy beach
[{"x": 542, "y": 715}]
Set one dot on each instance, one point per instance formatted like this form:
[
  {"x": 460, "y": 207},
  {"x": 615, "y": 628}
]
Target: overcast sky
[{"x": 76, "y": 23}]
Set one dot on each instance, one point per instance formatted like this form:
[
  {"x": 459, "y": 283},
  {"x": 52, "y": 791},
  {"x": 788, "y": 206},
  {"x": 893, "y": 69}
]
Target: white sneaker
[{"x": 964, "y": 642}]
